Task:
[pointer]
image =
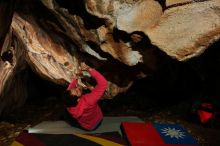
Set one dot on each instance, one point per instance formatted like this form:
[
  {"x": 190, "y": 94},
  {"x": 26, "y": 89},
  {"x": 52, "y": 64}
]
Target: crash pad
[
  {"x": 156, "y": 134},
  {"x": 108, "y": 124}
]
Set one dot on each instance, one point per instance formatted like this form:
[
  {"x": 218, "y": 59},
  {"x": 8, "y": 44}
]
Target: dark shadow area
[
  {"x": 42, "y": 95},
  {"x": 6, "y": 14},
  {"x": 162, "y": 3},
  {"x": 207, "y": 69},
  {"x": 77, "y": 7},
  {"x": 174, "y": 83},
  {"x": 121, "y": 35},
  {"x": 7, "y": 56},
  {"x": 39, "y": 89}
]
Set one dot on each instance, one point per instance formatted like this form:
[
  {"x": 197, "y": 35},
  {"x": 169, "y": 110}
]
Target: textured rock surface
[
  {"x": 125, "y": 40},
  {"x": 186, "y": 31},
  {"x": 49, "y": 59}
]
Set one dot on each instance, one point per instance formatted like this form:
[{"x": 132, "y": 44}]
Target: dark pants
[{"x": 70, "y": 120}]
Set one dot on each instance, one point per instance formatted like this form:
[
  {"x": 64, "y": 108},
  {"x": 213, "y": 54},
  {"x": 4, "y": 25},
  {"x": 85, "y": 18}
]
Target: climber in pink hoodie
[{"x": 87, "y": 111}]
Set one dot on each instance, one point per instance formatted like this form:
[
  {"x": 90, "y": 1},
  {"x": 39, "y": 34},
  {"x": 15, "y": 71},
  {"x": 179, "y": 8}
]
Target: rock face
[
  {"x": 120, "y": 38},
  {"x": 194, "y": 27}
]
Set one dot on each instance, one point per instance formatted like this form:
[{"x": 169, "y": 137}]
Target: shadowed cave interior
[
  {"x": 172, "y": 84},
  {"x": 165, "y": 95}
]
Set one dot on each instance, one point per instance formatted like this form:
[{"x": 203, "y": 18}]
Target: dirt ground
[{"x": 35, "y": 111}]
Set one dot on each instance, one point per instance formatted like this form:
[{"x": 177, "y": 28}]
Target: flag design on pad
[{"x": 155, "y": 134}]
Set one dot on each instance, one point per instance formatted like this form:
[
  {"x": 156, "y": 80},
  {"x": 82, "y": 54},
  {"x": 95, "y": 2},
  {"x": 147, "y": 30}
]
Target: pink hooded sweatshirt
[{"x": 87, "y": 112}]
